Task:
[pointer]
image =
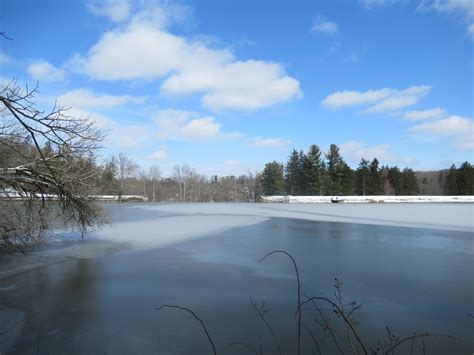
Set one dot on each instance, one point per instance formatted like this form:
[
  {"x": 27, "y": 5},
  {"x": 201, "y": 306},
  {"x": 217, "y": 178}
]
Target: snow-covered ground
[{"x": 369, "y": 199}]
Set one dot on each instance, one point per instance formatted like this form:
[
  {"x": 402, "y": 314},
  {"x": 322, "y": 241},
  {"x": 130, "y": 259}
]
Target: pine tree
[
  {"x": 465, "y": 179},
  {"x": 293, "y": 173},
  {"x": 362, "y": 177},
  {"x": 348, "y": 180},
  {"x": 395, "y": 179},
  {"x": 410, "y": 185},
  {"x": 273, "y": 179},
  {"x": 301, "y": 179},
  {"x": 313, "y": 171},
  {"x": 450, "y": 186},
  {"x": 374, "y": 186},
  {"x": 335, "y": 170}
]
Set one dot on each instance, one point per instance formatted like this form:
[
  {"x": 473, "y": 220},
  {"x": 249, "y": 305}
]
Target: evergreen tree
[
  {"x": 348, "y": 180},
  {"x": 313, "y": 171},
  {"x": 450, "y": 186},
  {"x": 335, "y": 170},
  {"x": 395, "y": 179},
  {"x": 374, "y": 186},
  {"x": 410, "y": 185},
  {"x": 385, "y": 181},
  {"x": 273, "y": 179},
  {"x": 301, "y": 180},
  {"x": 293, "y": 173},
  {"x": 465, "y": 179},
  {"x": 362, "y": 177}
]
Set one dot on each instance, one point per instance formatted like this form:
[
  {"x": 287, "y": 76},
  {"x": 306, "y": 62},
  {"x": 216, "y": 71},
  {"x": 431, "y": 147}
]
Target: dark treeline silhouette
[{"x": 316, "y": 174}]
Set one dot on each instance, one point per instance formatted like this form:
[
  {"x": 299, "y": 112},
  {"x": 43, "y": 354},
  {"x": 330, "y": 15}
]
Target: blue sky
[{"x": 227, "y": 86}]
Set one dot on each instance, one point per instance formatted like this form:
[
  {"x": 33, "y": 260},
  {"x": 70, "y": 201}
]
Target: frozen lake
[{"x": 412, "y": 265}]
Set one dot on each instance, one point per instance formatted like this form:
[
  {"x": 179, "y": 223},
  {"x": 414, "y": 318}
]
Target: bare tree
[
  {"x": 154, "y": 174},
  {"x": 143, "y": 177},
  {"x": 182, "y": 174},
  {"x": 53, "y": 173},
  {"x": 126, "y": 167}
]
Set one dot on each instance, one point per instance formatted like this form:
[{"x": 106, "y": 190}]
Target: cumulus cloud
[
  {"x": 88, "y": 99},
  {"x": 148, "y": 51},
  {"x": 383, "y": 100},
  {"x": 245, "y": 85},
  {"x": 259, "y": 142},
  {"x": 326, "y": 27},
  {"x": 354, "y": 151},
  {"x": 424, "y": 114},
  {"x": 45, "y": 72},
  {"x": 459, "y": 129},
  {"x": 189, "y": 126}
]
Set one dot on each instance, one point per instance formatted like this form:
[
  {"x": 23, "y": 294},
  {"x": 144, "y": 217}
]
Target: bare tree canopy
[{"x": 46, "y": 168}]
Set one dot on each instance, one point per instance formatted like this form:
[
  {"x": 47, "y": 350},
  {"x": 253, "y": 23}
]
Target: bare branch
[
  {"x": 195, "y": 317},
  {"x": 261, "y": 311},
  {"x": 298, "y": 307}
]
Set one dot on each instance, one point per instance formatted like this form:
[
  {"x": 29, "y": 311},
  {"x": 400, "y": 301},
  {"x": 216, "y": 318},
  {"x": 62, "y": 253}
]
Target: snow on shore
[{"x": 368, "y": 199}]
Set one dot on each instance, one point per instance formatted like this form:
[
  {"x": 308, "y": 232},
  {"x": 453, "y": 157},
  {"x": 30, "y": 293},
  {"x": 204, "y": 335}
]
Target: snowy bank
[{"x": 367, "y": 199}]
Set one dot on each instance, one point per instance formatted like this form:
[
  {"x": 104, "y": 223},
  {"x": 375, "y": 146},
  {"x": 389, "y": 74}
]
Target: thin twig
[
  {"x": 298, "y": 307},
  {"x": 195, "y": 317}
]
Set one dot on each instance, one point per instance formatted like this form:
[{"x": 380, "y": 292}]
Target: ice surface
[{"x": 150, "y": 225}]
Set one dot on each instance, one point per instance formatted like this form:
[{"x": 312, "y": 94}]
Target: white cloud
[
  {"x": 453, "y": 125},
  {"x": 424, "y": 114},
  {"x": 188, "y": 126},
  {"x": 85, "y": 98},
  {"x": 259, "y": 142},
  {"x": 354, "y": 151},
  {"x": 129, "y": 136},
  {"x": 460, "y": 129},
  {"x": 46, "y": 72},
  {"x": 386, "y": 99},
  {"x": 244, "y": 85},
  {"x": 148, "y": 51},
  {"x": 160, "y": 154},
  {"x": 327, "y": 27},
  {"x": 115, "y": 10},
  {"x": 401, "y": 99},
  {"x": 118, "y": 135},
  {"x": 354, "y": 98}
]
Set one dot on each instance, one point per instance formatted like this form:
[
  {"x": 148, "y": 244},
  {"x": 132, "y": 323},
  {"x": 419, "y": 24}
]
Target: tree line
[
  {"x": 314, "y": 173},
  {"x": 120, "y": 175}
]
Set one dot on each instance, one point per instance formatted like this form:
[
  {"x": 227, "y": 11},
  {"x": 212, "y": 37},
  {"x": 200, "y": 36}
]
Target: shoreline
[{"x": 367, "y": 199}]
